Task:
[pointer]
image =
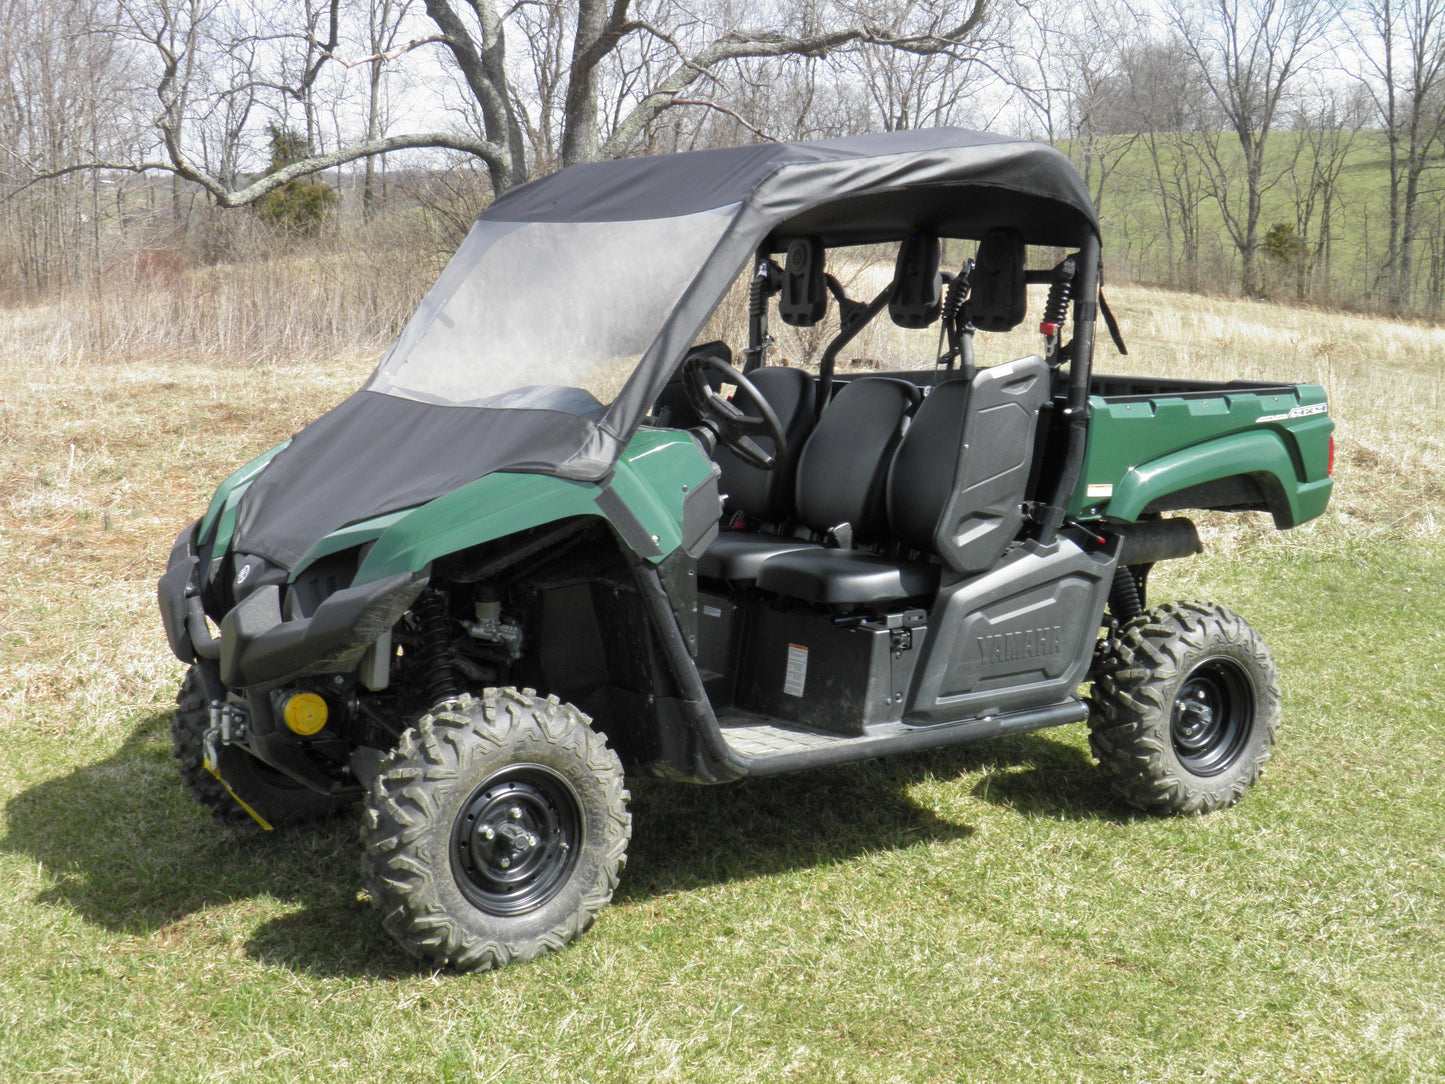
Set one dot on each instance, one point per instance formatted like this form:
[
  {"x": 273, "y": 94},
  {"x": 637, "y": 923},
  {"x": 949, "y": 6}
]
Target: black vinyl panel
[{"x": 374, "y": 454}]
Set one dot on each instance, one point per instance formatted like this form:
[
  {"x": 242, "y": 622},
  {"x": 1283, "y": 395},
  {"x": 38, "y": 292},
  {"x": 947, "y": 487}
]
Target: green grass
[
  {"x": 985, "y": 914},
  {"x": 982, "y": 914}
]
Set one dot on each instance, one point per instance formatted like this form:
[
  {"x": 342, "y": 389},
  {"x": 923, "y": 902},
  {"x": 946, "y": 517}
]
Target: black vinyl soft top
[
  {"x": 869, "y": 188},
  {"x": 390, "y": 447}
]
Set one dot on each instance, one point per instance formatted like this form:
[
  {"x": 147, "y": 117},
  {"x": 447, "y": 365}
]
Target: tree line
[{"x": 1273, "y": 147}]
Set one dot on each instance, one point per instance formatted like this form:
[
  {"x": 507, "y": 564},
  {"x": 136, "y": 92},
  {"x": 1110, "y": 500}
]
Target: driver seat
[
  {"x": 763, "y": 496},
  {"x": 767, "y": 495},
  {"x": 840, "y": 475}
]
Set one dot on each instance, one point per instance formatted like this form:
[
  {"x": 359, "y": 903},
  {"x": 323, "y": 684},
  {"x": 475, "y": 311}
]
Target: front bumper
[{"x": 258, "y": 649}]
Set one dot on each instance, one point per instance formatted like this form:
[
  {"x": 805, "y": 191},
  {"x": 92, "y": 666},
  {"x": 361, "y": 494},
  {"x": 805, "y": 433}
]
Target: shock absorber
[
  {"x": 1056, "y": 308},
  {"x": 1124, "y": 601},
  {"x": 957, "y": 292},
  {"x": 955, "y": 323},
  {"x": 434, "y": 660},
  {"x": 766, "y": 282}
]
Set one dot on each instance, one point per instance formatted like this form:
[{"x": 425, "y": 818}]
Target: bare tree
[
  {"x": 63, "y": 101},
  {"x": 1144, "y": 99},
  {"x": 1326, "y": 124},
  {"x": 384, "y": 20},
  {"x": 1093, "y": 41},
  {"x": 912, "y": 90},
  {"x": 1033, "y": 71},
  {"x": 630, "y": 63},
  {"x": 1248, "y": 53},
  {"x": 546, "y": 26},
  {"x": 1402, "y": 46}
]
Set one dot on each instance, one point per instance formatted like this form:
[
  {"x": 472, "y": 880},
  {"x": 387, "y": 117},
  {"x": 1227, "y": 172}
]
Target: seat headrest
[
  {"x": 804, "y": 297},
  {"x": 998, "y": 295},
  {"x": 917, "y": 293}
]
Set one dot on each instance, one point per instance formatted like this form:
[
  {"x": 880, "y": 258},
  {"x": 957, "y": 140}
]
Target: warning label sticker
[{"x": 797, "y": 674}]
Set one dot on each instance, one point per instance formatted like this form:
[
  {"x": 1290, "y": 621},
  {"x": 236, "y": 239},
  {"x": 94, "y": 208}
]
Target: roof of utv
[
  {"x": 386, "y": 449},
  {"x": 874, "y": 188}
]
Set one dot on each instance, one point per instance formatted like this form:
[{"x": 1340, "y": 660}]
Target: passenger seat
[{"x": 954, "y": 492}]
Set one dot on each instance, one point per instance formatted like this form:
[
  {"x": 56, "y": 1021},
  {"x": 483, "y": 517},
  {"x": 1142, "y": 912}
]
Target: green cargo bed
[{"x": 1163, "y": 445}]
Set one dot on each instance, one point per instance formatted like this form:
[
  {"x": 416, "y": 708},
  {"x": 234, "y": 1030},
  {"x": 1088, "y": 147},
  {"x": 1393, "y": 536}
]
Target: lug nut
[{"x": 516, "y": 813}]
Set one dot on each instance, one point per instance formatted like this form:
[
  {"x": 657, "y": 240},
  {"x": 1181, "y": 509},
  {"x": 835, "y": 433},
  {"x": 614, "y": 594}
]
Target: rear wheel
[
  {"x": 275, "y": 796},
  {"x": 1184, "y": 708},
  {"x": 495, "y": 831}
]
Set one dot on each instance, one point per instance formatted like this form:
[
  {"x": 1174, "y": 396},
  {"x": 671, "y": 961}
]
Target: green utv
[{"x": 555, "y": 538}]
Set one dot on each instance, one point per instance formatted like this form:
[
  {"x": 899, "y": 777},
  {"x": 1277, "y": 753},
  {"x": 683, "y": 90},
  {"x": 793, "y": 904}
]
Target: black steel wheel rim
[
  {"x": 1212, "y": 716},
  {"x": 516, "y": 840}
]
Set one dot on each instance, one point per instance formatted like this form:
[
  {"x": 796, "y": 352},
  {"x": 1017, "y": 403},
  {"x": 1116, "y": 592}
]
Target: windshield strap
[{"x": 1112, "y": 325}]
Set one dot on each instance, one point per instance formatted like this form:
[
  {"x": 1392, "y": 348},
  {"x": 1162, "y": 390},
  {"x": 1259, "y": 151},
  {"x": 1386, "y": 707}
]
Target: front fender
[
  {"x": 658, "y": 488},
  {"x": 222, "y": 509}
]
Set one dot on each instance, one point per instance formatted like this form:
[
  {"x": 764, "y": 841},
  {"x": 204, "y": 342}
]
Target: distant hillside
[{"x": 1332, "y": 254}]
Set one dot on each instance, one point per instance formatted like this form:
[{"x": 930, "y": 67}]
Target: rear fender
[{"x": 1262, "y": 456}]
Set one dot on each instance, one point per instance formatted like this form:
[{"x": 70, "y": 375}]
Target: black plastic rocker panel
[
  {"x": 1019, "y": 636},
  {"x": 809, "y": 749}
]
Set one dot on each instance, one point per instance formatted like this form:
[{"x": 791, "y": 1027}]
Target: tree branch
[
  {"x": 727, "y": 112},
  {"x": 741, "y": 44},
  {"x": 383, "y": 56},
  {"x": 489, "y": 153}
]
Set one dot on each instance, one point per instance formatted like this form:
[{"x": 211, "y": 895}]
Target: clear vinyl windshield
[{"x": 547, "y": 315}]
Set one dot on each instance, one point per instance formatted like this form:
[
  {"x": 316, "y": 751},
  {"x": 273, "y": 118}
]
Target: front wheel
[
  {"x": 495, "y": 831},
  {"x": 1184, "y": 708}
]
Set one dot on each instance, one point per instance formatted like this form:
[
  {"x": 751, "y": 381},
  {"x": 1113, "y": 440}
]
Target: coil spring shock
[
  {"x": 957, "y": 291},
  {"x": 763, "y": 286},
  {"x": 758, "y": 295},
  {"x": 1056, "y": 308},
  {"x": 434, "y": 660},
  {"x": 1124, "y": 600},
  {"x": 959, "y": 338}
]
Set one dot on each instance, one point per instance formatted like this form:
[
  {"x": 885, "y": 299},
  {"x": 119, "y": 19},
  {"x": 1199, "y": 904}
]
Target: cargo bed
[{"x": 1158, "y": 445}]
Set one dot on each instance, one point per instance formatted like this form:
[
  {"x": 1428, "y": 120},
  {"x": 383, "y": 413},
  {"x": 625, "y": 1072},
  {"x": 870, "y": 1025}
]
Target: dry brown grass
[
  {"x": 278, "y": 301},
  {"x": 103, "y": 462},
  {"x": 108, "y": 453}
]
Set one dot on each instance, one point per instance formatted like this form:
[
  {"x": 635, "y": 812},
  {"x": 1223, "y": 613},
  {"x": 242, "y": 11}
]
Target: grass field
[{"x": 984, "y": 914}]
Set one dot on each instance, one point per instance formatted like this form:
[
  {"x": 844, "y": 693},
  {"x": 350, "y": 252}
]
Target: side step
[{"x": 771, "y": 746}]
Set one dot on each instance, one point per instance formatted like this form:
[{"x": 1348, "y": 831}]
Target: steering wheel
[{"x": 724, "y": 420}]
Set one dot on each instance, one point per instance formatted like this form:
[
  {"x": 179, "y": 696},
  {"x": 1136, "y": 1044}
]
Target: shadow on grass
[
  {"x": 130, "y": 852},
  {"x": 689, "y": 837}
]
